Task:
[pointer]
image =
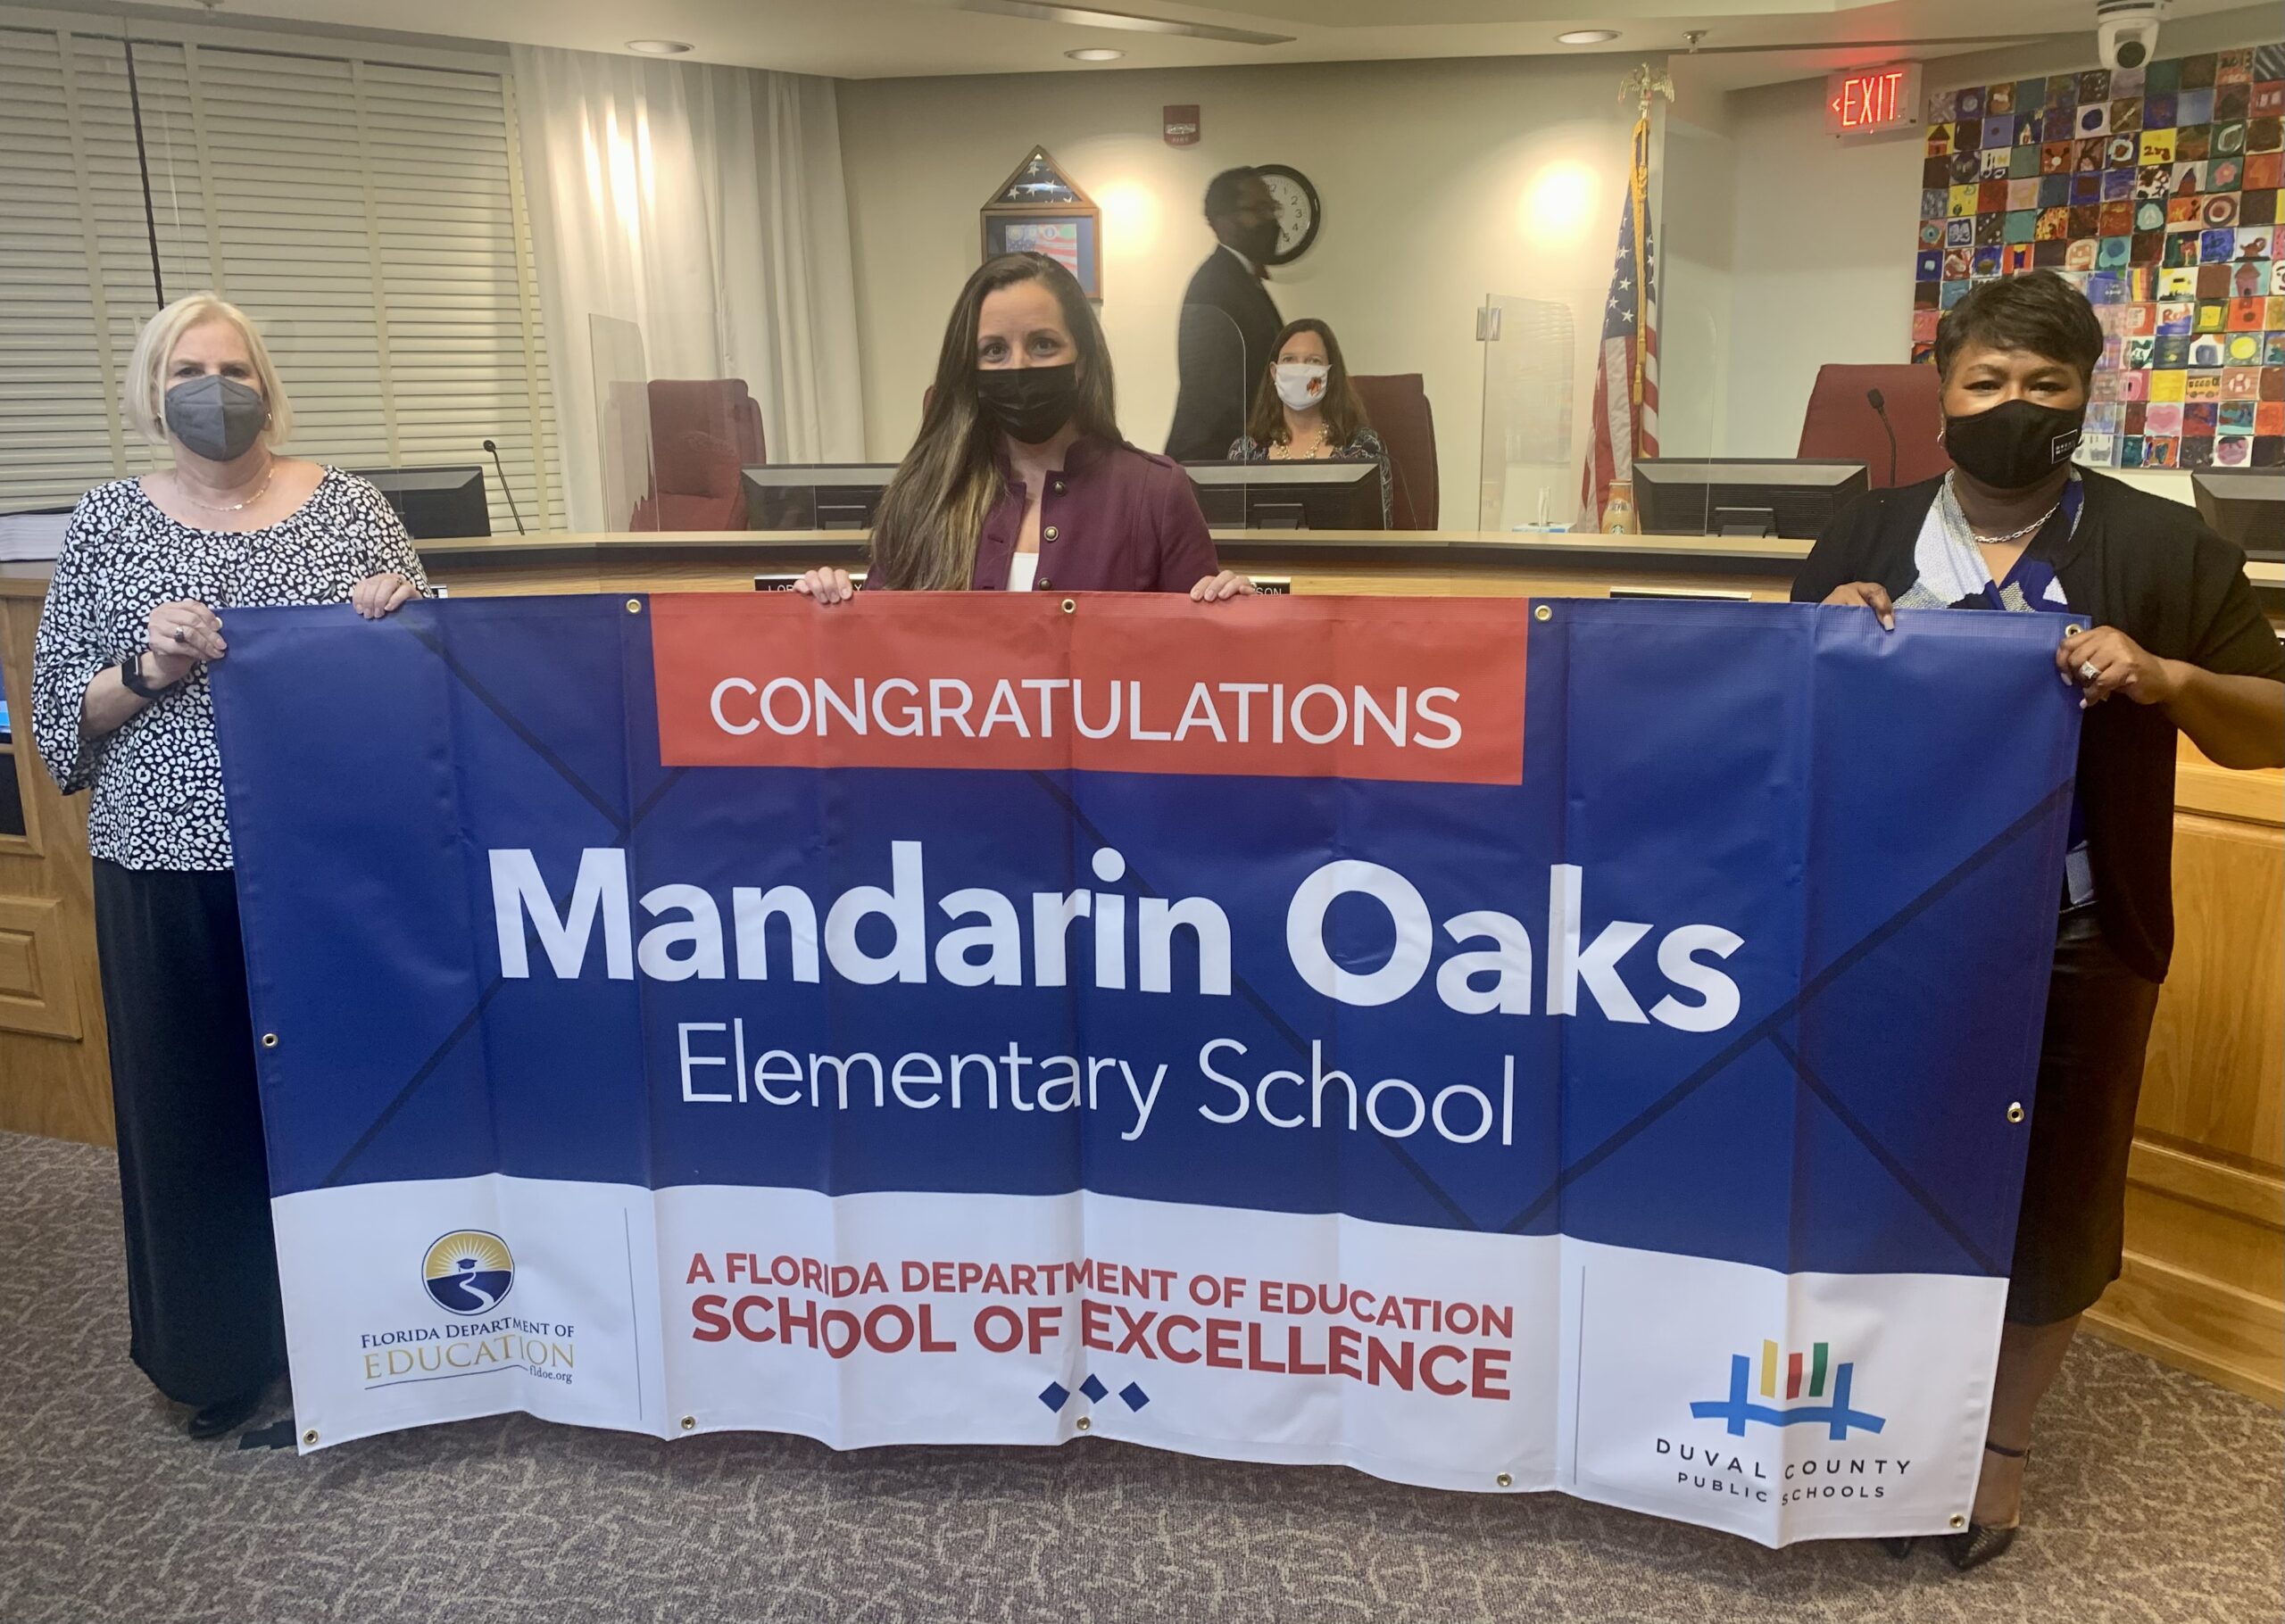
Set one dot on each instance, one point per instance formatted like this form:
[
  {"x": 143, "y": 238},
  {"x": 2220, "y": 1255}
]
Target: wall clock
[{"x": 1298, "y": 212}]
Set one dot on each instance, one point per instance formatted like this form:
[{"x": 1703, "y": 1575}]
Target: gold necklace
[{"x": 268, "y": 474}]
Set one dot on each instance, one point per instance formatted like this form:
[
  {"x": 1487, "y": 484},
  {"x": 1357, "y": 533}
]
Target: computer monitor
[
  {"x": 2246, "y": 505},
  {"x": 1784, "y": 496},
  {"x": 436, "y": 503},
  {"x": 1288, "y": 495},
  {"x": 814, "y": 496}
]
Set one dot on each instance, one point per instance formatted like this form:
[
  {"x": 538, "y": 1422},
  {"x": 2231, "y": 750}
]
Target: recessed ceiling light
[
  {"x": 658, "y": 47},
  {"x": 1095, "y": 54},
  {"x": 1587, "y": 37}
]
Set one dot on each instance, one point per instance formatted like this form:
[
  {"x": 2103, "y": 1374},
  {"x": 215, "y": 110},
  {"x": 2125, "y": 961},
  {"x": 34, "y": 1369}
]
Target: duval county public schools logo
[
  {"x": 468, "y": 1271},
  {"x": 1824, "y": 1410}
]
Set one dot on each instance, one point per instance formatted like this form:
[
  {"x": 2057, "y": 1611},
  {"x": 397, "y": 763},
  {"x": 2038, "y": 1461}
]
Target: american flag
[{"x": 1626, "y": 366}]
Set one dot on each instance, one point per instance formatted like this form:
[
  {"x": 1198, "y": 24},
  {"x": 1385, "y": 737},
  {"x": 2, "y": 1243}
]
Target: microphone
[
  {"x": 1880, "y": 407},
  {"x": 510, "y": 490}
]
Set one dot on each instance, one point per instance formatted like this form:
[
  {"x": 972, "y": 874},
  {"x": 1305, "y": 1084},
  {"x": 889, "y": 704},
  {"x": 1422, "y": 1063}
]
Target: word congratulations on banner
[{"x": 1460, "y": 1040}]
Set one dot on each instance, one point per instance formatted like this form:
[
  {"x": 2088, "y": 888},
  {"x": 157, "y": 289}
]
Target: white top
[{"x": 1023, "y": 569}]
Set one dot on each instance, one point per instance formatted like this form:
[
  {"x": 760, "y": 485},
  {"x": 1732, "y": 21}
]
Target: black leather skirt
[{"x": 2069, "y": 1241}]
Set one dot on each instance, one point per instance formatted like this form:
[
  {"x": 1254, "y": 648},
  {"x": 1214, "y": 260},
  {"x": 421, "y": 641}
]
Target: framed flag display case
[
  {"x": 1041, "y": 210},
  {"x": 2155, "y": 190}
]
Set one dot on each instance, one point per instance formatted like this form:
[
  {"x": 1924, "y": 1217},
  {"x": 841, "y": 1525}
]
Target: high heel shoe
[
  {"x": 1978, "y": 1543},
  {"x": 226, "y": 1416}
]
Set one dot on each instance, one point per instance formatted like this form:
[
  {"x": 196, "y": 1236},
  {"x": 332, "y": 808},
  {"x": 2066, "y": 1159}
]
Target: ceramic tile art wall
[{"x": 2156, "y": 191}]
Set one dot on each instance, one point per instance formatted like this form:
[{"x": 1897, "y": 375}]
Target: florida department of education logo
[
  {"x": 1822, "y": 1408},
  {"x": 468, "y": 1271}
]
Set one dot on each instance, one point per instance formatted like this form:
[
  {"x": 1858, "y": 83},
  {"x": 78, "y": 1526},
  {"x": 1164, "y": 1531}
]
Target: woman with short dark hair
[
  {"x": 1305, "y": 409},
  {"x": 1019, "y": 479},
  {"x": 2173, "y": 643}
]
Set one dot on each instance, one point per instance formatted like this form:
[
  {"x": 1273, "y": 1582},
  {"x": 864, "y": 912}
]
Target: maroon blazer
[{"x": 1114, "y": 519}]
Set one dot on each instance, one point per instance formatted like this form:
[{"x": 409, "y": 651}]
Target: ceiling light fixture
[
  {"x": 1095, "y": 54},
  {"x": 1089, "y": 17},
  {"x": 1587, "y": 37},
  {"x": 658, "y": 47}
]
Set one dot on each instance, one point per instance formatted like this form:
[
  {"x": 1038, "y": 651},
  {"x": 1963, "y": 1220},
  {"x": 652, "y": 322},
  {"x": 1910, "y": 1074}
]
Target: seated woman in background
[
  {"x": 2174, "y": 642},
  {"x": 120, "y": 702},
  {"x": 1019, "y": 478},
  {"x": 1305, "y": 409}
]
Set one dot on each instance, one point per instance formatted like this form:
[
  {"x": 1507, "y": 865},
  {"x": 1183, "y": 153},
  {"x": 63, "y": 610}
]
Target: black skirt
[
  {"x": 2070, "y": 1239},
  {"x": 202, "y": 1267}
]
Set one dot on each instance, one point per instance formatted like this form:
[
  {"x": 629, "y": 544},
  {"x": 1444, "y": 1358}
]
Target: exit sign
[{"x": 1872, "y": 101}]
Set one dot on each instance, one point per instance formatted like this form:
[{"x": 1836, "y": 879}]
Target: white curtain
[{"x": 704, "y": 204}]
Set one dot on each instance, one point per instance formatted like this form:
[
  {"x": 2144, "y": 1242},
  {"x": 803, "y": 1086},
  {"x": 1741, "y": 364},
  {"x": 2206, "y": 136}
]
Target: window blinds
[{"x": 367, "y": 214}]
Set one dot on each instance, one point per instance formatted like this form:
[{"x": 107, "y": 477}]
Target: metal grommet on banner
[
  {"x": 309, "y": 1438},
  {"x": 1958, "y": 1522},
  {"x": 1070, "y": 606},
  {"x": 690, "y": 1423},
  {"x": 2015, "y": 1111},
  {"x": 2074, "y": 629},
  {"x": 1085, "y": 1424},
  {"x": 1543, "y": 613},
  {"x": 635, "y": 605},
  {"x": 1505, "y": 1480},
  {"x": 270, "y": 1040}
]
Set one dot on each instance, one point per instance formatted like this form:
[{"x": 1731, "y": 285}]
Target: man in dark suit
[{"x": 1229, "y": 322}]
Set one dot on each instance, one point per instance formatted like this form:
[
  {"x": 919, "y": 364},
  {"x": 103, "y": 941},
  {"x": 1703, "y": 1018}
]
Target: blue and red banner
[{"x": 1494, "y": 1045}]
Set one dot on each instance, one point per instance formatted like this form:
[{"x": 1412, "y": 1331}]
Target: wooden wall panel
[
  {"x": 2204, "y": 1285},
  {"x": 54, "y": 1072}
]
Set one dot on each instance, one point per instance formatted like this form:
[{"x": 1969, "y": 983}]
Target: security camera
[{"x": 2127, "y": 31}]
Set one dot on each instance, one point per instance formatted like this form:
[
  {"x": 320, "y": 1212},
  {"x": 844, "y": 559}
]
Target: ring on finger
[
  {"x": 2088, "y": 671},
  {"x": 182, "y": 634}
]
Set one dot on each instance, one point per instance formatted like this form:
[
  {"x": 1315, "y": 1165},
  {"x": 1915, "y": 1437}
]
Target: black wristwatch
[{"x": 130, "y": 677}]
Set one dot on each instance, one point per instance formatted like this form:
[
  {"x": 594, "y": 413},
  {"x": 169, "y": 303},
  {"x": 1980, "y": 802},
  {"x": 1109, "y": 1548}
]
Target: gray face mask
[{"x": 218, "y": 417}]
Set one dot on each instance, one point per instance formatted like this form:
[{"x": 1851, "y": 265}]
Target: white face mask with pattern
[{"x": 1300, "y": 384}]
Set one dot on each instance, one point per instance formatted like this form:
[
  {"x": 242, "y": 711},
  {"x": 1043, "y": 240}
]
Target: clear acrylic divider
[
  {"x": 623, "y": 423},
  {"x": 1529, "y": 459}
]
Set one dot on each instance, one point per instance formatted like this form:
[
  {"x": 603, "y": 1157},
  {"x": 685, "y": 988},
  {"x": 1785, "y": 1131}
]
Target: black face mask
[
  {"x": 1257, "y": 242},
  {"x": 1031, "y": 404},
  {"x": 2015, "y": 443}
]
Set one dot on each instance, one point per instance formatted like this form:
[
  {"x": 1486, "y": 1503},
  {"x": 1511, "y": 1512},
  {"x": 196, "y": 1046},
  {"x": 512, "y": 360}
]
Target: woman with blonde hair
[
  {"x": 1019, "y": 479},
  {"x": 120, "y": 702}
]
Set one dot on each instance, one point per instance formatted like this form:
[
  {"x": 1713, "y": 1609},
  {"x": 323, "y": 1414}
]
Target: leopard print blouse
[{"x": 158, "y": 778}]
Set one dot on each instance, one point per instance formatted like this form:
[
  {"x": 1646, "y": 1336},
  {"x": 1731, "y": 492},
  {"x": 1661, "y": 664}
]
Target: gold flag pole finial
[{"x": 1645, "y": 84}]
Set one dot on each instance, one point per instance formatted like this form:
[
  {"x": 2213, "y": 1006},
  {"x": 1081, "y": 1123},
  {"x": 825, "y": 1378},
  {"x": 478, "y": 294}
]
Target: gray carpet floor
[{"x": 2156, "y": 1498}]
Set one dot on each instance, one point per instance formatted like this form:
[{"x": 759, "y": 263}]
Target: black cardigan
[{"x": 2151, "y": 568}]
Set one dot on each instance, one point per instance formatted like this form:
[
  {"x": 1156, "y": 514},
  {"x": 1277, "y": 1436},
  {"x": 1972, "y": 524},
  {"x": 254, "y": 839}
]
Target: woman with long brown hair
[
  {"x": 1305, "y": 409},
  {"x": 1019, "y": 478}
]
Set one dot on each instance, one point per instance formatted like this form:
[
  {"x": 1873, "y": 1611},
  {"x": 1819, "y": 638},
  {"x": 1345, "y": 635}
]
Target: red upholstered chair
[
  {"x": 1398, "y": 406},
  {"x": 702, "y": 432},
  {"x": 1840, "y": 421}
]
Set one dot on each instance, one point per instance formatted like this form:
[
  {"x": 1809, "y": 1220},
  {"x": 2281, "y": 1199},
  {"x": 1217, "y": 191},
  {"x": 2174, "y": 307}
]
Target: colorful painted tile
[
  {"x": 2258, "y": 208},
  {"x": 2157, "y": 146},
  {"x": 2021, "y": 225},
  {"x": 2016, "y": 257}
]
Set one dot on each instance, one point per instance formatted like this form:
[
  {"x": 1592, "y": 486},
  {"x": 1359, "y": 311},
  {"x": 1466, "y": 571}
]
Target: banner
[{"x": 1492, "y": 1045}]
